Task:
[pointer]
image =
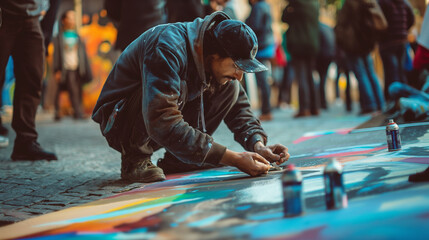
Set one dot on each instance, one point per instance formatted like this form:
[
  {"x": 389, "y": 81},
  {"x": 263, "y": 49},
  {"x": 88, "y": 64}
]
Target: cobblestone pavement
[{"x": 88, "y": 169}]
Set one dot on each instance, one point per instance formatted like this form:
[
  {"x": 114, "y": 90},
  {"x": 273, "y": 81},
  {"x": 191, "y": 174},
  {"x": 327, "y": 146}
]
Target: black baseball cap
[{"x": 240, "y": 43}]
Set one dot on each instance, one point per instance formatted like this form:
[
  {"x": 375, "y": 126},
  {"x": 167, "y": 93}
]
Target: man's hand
[
  {"x": 248, "y": 162},
  {"x": 275, "y": 153}
]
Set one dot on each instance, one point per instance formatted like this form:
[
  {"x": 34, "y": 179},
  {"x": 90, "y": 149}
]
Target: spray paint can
[
  {"x": 393, "y": 138},
  {"x": 335, "y": 192},
  {"x": 292, "y": 191}
]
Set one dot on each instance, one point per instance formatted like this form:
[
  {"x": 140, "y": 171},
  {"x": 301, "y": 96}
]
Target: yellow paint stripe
[{"x": 131, "y": 204}]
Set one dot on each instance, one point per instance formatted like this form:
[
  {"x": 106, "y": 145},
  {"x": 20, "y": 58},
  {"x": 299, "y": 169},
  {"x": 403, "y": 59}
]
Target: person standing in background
[
  {"x": 356, "y": 33},
  {"x": 21, "y": 37},
  {"x": 302, "y": 16},
  {"x": 260, "y": 22},
  {"x": 400, "y": 18},
  {"x": 184, "y": 10},
  {"x": 71, "y": 64}
]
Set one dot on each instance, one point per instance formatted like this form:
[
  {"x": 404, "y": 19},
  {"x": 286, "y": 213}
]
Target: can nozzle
[{"x": 291, "y": 167}]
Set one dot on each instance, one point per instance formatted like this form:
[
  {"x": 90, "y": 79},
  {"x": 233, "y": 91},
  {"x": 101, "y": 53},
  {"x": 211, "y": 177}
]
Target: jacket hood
[{"x": 196, "y": 31}]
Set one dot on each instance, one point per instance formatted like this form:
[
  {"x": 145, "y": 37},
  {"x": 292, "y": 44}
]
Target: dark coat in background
[
  {"x": 327, "y": 42},
  {"x": 302, "y": 16},
  {"x": 359, "y": 25},
  {"x": 184, "y": 10},
  {"x": 260, "y": 22},
  {"x": 133, "y": 17},
  {"x": 400, "y": 18},
  {"x": 26, "y": 8}
]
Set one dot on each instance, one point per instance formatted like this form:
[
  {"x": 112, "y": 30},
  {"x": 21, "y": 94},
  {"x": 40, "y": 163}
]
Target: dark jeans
[
  {"x": 308, "y": 96},
  {"x": 393, "y": 58},
  {"x": 344, "y": 68},
  {"x": 370, "y": 93},
  {"x": 286, "y": 84},
  {"x": 264, "y": 86},
  {"x": 322, "y": 68},
  {"x": 130, "y": 124},
  {"x": 72, "y": 85},
  {"x": 22, "y": 38}
]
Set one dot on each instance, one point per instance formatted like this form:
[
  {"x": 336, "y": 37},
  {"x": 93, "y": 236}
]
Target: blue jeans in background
[
  {"x": 393, "y": 58},
  {"x": 308, "y": 96},
  {"x": 370, "y": 93},
  {"x": 322, "y": 66},
  {"x": 264, "y": 87}
]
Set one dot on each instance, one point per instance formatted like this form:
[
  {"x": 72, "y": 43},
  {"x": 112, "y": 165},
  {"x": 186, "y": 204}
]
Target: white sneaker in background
[{"x": 4, "y": 141}]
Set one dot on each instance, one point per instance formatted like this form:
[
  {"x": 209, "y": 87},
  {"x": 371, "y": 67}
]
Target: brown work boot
[
  {"x": 137, "y": 168},
  {"x": 171, "y": 165}
]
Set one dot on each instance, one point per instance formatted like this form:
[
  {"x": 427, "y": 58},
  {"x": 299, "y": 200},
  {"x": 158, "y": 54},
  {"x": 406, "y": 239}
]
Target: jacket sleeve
[
  {"x": 163, "y": 120},
  {"x": 246, "y": 127}
]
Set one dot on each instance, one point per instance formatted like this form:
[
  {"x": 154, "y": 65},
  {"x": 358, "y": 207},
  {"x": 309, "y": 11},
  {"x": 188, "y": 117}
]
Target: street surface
[{"x": 88, "y": 169}]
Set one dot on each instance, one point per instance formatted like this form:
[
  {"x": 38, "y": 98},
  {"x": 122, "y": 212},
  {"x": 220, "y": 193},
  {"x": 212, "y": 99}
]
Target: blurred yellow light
[
  {"x": 103, "y": 13},
  {"x": 105, "y": 47}
]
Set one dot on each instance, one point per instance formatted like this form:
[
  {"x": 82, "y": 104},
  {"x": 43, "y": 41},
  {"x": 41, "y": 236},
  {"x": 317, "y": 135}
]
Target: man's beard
[{"x": 214, "y": 85}]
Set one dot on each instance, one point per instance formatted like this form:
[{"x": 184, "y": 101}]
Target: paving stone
[
  {"x": 17, "y": 214},
  {"x": 54, "y": 203},
  {"x": 6, "y": 220},
  {"x": 100, "y": 193},
  {"x": 72, "y": 194},
  {"x": 37, "y": 211},
  {"x": 13, "y": 187},
  {"x": 24, "y": 200},
  {"x": 6, "y": 196},
  {"x": 48, "y": 191},
  {"x": 42, "y": 205},
  {"x": 7, "y": 206}
]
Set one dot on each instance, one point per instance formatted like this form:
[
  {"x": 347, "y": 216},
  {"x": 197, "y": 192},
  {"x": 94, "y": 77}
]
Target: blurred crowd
[{"x": 303, "y": 53}]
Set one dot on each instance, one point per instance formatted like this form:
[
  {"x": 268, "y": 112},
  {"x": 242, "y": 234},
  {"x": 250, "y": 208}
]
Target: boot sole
[{"x": 147, "y": 178}]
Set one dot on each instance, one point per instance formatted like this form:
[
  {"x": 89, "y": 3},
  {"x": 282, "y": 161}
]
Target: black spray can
[
  {"x": 335, "y": 192},
  {"x": 292, "y": 191},
  {"x": 393, "y": 138}
]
